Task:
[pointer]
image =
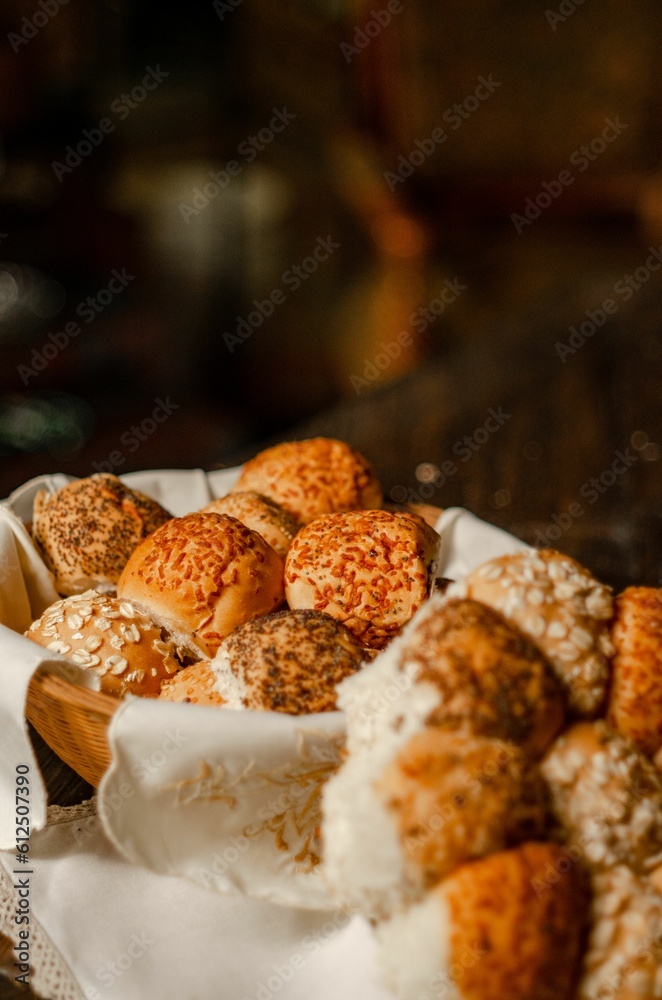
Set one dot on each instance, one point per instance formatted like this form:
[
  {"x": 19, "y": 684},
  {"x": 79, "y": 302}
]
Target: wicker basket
[{"x": 73, "y": 721}]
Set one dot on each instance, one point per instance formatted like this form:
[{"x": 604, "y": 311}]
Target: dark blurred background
[{"x": 236, "y": 221}]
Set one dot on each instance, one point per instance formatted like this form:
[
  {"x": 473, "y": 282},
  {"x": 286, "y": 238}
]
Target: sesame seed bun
[
  {"x": 202, "y": 575},
  {"x": 196, "y": 684},
  {"x": 287, "y": 662},
  {"x": 491, "y": 677},
  {"x": 110, "y": 637},
  {"x": 370, "y": 569},
  {"x": 606, "y": 797},
  {"x": 563, "y": 609},
  {"x": 635, "y": 702},
  {"x": 486, "y": 932},
  {"x": 313, "y": 477},
  {"x": 87, "y": 530},
  {"x": 261, "y": 514}
]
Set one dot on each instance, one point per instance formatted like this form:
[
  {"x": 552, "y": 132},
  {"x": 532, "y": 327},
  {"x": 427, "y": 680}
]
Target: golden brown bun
[
  {"x": 623, "y": 957},
  {"x": 527, "y": 942},
  {"x": 427, "y": 511},
  {"x": 456, "y": 796},
  {"x": 370, "y": 569},
  {"x": 606, "y": 797},
  {"x": 562, "y": 608},
  {"x": 492, "y": 678},
  {"x": 313, "y": 477},
  {"x": 196, "y": 684},
  {"x": 635, "y": 702},
  {"x": 89, "y": 528},
  {"x": 202, "y": 575},
  {"x": 111, "y": 637},
  {"x": 260, "y": 514},
  {"x": 287, "y": 662}
]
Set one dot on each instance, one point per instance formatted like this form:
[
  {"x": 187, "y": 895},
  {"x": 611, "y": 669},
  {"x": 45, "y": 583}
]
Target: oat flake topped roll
[
  {"x": 110, "y": 637},
  {"x": 313, "y": 477},
  {"x": 370, "y": 569},
  {"x": 87, "y": 530},
  {"x": 563, "y": 609}
]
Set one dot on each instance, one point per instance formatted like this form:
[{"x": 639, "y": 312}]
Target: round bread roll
[
  {"x": 202, "y": 575},
  {"x": 563, "y": 609},
  {"x": 485, "y": 933},
  {"x": 370, "y": 569},
  {"x": 110, "y": 637},
  {"x": 261, "y": 514},
  {"x": 87, "y": 530},
  {"x": 606, "y": 797},
  {"x": 443, "y": 798},
  {"x": 287, "y": 662},
  {"x": 635, "y": 701},
  {"x": 623, "y": 956},
  {"x": 493, "y": 680},
  {"x": 196, "y": 684},
  {"x": 313, "y": 477}
]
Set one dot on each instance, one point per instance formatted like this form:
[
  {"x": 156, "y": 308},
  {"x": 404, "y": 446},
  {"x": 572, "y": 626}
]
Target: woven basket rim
[{"x": 59, "y": 688}]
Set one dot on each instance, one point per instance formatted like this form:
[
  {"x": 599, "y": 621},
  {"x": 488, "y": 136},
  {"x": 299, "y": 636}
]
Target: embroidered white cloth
[{"x": 230, "y": 800}]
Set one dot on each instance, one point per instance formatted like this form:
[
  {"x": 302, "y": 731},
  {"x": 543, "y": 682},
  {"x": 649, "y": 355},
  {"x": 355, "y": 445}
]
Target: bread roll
[
  {"x": 563, "y": 609},
  {"x": 623, "y": 956},
  {"x": 87, "y": 530},
  {"x": 196, "y": 684},
  {"x": 369, "y": 569},
  {"x": 112, "y": 638},
  {"x": 313, "y": 477},
  {"x": 261, "y": 514},
  {"x": 201, "y": 576},
  {"x": 287, "y": 662},
  {"x": 393, "y": 830},
  {"x": 606, "y": 797},
  {"x": 492, "y": 679},
  {"x": 635, "y": 702},
  {"x": 485, "y": 933}
]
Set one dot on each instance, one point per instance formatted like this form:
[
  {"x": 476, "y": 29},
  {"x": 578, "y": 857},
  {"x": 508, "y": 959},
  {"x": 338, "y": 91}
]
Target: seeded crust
[
  {"x": 455, "y": 797},
  {"x": 196, "y": 684},
  {"x": 371, "y": 569},
  {"x": 313, "y": 477},
  {"x": 526, "y": 943},
  {"x": 606, "y": 798},
  {"x": 202, "y": 575},
  {"x": 635, "y": 702},
  {"x": 563, "y": 609},
  {"x": 623, "y": 957},
  {"x": 289, "y": 662},
  {"x": 88, "y": 529},
  {"x": 111, "y": 637},
  {"x": 261, "y": 514},
  {"x": 492, "y": 678}
]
